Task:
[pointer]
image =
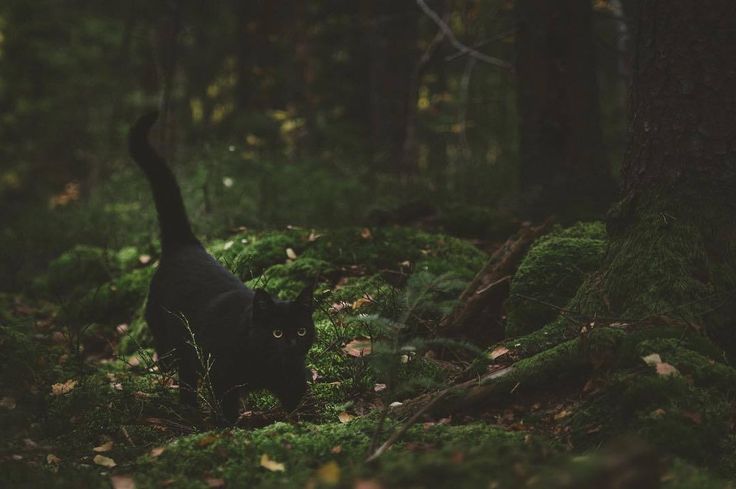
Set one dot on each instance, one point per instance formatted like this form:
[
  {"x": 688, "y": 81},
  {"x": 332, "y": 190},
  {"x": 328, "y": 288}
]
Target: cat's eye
[
  {"x": 277, "y": 333},
  {"x": 301, "y": 331}
]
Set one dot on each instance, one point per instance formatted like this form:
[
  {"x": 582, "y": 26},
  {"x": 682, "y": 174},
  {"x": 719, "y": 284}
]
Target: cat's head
[{"x": 285, "y": 327}]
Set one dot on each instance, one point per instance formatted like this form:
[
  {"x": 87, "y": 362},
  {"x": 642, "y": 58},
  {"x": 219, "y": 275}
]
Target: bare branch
[{"x": 457, "y": 44}]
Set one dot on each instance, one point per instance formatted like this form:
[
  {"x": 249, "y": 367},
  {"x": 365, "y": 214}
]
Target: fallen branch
[{"x": 480, "y": 304}]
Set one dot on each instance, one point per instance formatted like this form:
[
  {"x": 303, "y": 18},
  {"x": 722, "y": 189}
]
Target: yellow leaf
[
  {"x": 206, "y": 440},
  {"x": 104, "y": 461},
  {"x": 63, "y": 388},
  {"x": 272, "y": 465},
  {"x": 329, "y": 473},
  {"x": 345, "y": 417},
  {"x": 290, "y": 253},
  {"x": 52, "y": 459},
  {"x": 498, "y": 352},
  {"x": 105, "y": 447},
  {"x": 652, "y": 359}
]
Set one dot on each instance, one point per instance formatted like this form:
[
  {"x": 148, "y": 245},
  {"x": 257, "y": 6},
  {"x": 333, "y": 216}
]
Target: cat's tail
[{"x": 172, "y": 217}]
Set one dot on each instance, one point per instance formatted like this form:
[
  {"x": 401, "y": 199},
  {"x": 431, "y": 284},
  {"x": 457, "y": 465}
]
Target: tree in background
[{"x": 562, "y": 165}]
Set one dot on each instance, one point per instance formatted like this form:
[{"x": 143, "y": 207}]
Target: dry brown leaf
[
  {"x": 291, "y": 254},
  {"x": 562, "y": 414},
  {"x": 63, "y": 387},
  {"x": 144, "y": 259},
  {"x": 379, "y": 387},
  {"x": 214, "y": 482},
  {"x": 358, "y": 347},
  {"x": 366, "y": 299},
  {"x": 7, "y": 402},
  {"x": 52, "y": 459},
  {"x": 105, "y": 447},
  {"x": 665, "y": 369},
  {"x": 696, "y": 418},
  {"x": 122, "y": 482},
  {"x": 156, "y": 451},
  {"x": 313, "y": 236},
  {"x": 344, "y": 417},
  {"x": 104, "y": 461},
  {"x": 366, "y": 233},
  {"x": 329, "y": 473},
  {"x": 498, "y": 352},
  {"x": 272, "y": 465},
  {"x": 367, "y": 484},
  {"x": 336, "y": 449}
]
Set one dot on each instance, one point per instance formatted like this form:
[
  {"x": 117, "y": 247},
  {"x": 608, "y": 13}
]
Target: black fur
[{"x": 253, "y": 341}]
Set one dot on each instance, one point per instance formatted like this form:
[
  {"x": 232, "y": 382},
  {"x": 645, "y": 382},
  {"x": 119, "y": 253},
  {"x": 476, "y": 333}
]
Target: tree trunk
[
  {"x": 673, "y": 235},
  {"x": 563, "y": 170}
]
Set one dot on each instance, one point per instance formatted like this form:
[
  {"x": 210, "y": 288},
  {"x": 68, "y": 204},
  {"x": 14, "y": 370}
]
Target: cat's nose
[{"x": 292, "y": 342}]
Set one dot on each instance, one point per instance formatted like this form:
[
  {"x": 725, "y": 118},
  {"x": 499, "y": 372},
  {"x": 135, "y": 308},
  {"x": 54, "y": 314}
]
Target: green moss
[
  {"x": 248, "y": 255},
  {"x": 112, "y": 302},
  {"x": 550, "y": 275},
  {"x": 79, "y": 269},
  {"x": 288, "y": 279}
]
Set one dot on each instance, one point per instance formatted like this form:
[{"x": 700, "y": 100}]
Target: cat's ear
[
  {"x": 262, "y": 303},
  {"x": 306, "y": 297}
]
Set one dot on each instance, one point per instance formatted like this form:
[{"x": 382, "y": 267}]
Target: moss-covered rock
[
  {"x": 112, "y": 302},
  {"x": 79, "y": 269},
  {"x": 550, "y": 275}
]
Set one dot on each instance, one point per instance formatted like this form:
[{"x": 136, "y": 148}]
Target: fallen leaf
[
  {"x": 122, "y": 482},
  {"x": 658, "y": 413},
  {"x": 366, "y": 299},
  {"x": 121, "y": 328},
  {"x": 313, "y": 236},
  {"x": 665, "y": 369},
  {"x": 379, "y": 387},
  {"x": 7, "y": 402},
  {"x": 367, "y": 484},
  {"x": 339, "y": 306},
  {"x": 63, "y": 388},
  {"x": 345, "y": 417},
  {"x": 291, "y": 254},
  {"x": 358, "y": 347},
  {"x": 652, "y": 359},
  {"x": 329, "y": 473},
  {"x": 214, "y": 482},
  {"x": 52, "y": 459},
  {"x": 562, "y": 414},
  {"x": 366, "y": 233},
  {"x": 498, "y": 352},
  {"x": 104, "y": 461},
  {"x": 272, "y": 465},
  {"x": 396, "y": 404},
  {"x": 105, "y": 447},
  {"x": 144, "y": 259},
  {"x": 206, "y": 440},
  {"x": 156, "y": 451},
  {"x": 696, "y": 418},
  {"x": 336, "y": 449}
]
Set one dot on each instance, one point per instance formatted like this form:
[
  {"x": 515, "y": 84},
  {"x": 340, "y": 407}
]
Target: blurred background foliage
[{"x": 320, "y": 113}]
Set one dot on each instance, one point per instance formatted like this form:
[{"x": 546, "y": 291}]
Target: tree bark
[
  {"x": 673, "y": 235},
  {"x": 563, "y": 170}
]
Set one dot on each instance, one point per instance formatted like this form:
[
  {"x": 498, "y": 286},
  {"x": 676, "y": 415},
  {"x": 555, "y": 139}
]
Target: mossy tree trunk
[{"x": 672, "y": 236}]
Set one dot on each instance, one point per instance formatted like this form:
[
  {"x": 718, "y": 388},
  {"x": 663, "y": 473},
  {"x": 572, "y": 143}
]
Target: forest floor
[{"x": 83, "y": 403}]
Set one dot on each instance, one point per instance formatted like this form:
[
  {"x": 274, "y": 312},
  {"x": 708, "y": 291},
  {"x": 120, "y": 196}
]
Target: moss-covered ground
[{"x": 586, "y": 402}]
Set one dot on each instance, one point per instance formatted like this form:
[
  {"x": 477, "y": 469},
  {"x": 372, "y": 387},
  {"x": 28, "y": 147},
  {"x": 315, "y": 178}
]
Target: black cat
[{"x": 252, "y": 340}]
